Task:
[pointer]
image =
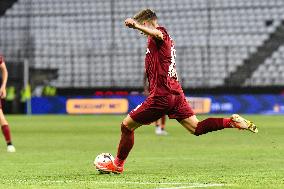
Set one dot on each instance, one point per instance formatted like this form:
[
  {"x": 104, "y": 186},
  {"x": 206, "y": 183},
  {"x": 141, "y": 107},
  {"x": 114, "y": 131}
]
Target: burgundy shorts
[{"x": 153, "y": 108}]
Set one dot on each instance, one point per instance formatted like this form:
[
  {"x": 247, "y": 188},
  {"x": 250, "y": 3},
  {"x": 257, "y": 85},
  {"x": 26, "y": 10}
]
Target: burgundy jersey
[
  {"x": 1, "y": 59},
  {"x": 160, "y": 66}
]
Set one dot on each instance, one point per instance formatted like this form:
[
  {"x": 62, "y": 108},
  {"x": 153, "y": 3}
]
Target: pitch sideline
[{"x": 184, "y": 185}]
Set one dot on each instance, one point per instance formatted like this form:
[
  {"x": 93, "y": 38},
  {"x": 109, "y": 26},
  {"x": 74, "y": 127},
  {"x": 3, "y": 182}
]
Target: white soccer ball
[{"x": 103, "y": 158}]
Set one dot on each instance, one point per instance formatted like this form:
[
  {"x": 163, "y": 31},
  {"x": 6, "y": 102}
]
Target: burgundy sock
[
  {"x": 125, "y": 145},
  {"x": 163, "y": 122},
  {"x": 6, "y": 133},
  {"x": 212, "y": 124}
]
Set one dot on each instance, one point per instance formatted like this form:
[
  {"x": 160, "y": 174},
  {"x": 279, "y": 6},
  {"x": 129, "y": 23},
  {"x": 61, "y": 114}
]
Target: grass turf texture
[{"x": 58, "y": 151}]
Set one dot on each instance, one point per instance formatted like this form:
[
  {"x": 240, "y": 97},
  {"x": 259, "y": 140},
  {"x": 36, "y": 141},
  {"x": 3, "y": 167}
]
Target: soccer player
[
  {"x": 3, "y": 121},
  {"x": 160, "y": 126},
  {"x": 160, "y": 123},
  {"x": 166, "y": 96}
]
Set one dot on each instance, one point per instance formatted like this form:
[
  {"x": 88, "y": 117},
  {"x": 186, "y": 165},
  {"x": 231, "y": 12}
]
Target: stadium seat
[{"x": 90, "y": 37}]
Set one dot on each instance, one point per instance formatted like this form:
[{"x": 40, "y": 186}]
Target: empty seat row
[{"x": 212, "y": 39}]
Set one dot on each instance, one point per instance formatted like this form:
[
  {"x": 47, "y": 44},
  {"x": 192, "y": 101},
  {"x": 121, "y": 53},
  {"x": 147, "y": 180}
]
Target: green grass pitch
[{"x": 58, "y": 151}]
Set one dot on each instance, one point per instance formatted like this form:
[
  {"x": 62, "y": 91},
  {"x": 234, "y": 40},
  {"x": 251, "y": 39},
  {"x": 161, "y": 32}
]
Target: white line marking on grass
[
  {"x": 183, "y": 185},
  {"x": 190, "y": 185},
  {"x": 195, "y": 186}
]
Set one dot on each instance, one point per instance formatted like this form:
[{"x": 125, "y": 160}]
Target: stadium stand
[
  {"x": 5, "y": 5},
  {"x": 272, "y": 71},
  {"x": 88, "y": 44},
  {"x": 244, "y": 71}
]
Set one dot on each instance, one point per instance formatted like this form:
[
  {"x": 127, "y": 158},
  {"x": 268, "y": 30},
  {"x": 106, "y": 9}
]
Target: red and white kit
[{"x": 166, "y": 96}]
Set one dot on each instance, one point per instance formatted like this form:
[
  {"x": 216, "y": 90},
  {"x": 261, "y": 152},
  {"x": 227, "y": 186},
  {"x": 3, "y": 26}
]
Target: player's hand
[
  {"x": 3, "y": 92},
  {"x": 131, "y": 23}
]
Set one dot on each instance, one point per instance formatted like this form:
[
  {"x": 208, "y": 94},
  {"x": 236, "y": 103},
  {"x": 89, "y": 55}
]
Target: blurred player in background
[
  {"x": 3, "y": 121},
  {"x": 166, "y": 96},
  {"x": 160, "y": 123}
]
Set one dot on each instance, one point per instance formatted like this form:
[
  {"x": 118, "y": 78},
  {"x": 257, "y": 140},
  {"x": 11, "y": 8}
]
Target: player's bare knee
[
  {"x": 125, "y": 124},
  {"x": 130, "y": 124},
  {"x": 3, "y": 122},
  {"x": 125, "y": 128}
]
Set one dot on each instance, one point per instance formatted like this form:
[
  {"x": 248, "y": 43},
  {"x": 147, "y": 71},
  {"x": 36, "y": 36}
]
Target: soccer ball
[{"x": 103, "y": 158}]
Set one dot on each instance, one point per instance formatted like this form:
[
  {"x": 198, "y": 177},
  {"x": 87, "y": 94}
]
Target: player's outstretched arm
[
  {"x": 4, "y": 73},
  {"x": 131, "y": 23}
]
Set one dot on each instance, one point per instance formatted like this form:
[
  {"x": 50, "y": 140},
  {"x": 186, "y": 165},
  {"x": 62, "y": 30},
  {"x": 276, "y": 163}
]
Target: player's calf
[{"x": 214, "y": 124}]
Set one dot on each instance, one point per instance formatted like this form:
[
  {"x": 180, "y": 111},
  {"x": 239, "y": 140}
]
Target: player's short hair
[{"x": 145, "y": 15}]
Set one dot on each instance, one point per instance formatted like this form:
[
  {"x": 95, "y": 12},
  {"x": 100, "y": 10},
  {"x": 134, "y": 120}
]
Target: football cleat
[
  {"x": 160, "y": 131},
  {"x": 11, "y": 148},
  {"x": 108, "y": 167},
  {"x": 243, "y": 124}
]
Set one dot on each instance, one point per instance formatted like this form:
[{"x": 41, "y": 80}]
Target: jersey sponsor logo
[
  {"x": 147, "y": 50},
  {"x": 172, "y": 68}
]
